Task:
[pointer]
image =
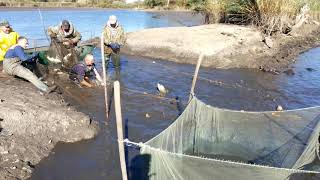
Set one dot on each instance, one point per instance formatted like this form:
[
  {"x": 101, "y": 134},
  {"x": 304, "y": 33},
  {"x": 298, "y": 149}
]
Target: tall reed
[{"x": 271, "y": 16}]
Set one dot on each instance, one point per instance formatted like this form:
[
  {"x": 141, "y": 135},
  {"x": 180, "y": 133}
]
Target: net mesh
[{"x": 212, "y": 143}]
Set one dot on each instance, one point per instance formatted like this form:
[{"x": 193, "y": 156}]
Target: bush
[
  {"x": 154, "y": 3},
  {"x": 271, "y": 15}
]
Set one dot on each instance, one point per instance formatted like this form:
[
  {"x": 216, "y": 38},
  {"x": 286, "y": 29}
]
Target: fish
[
  {"x": 162, "y": 90},
  {"x": 54, "y": 60},
  {"x": 279, "y": 108}
]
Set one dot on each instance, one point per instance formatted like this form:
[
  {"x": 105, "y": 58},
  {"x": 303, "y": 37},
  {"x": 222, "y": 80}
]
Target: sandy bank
[
  {"x": 224, "y": 46},
  {"x": 32, "y": 124}
]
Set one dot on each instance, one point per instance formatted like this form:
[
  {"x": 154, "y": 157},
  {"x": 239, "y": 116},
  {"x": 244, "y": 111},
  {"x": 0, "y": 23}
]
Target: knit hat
[
  {"x": 65, "y": 24},
  {"x": 4, "y": 23},
  {"x": 112, "y": 19}
]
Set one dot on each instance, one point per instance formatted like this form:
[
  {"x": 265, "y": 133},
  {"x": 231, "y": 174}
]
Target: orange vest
[{"x": 6, "y": 41}]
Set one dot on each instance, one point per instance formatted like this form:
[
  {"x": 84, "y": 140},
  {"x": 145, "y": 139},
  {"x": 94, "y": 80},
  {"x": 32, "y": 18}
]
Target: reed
[{"x": 271, "y": 16}]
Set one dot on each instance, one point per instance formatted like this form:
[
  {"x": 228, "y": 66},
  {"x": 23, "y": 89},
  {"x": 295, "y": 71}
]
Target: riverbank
[
  {"x": 224, "y": 46},
  {"x": 31, "y": 124}
]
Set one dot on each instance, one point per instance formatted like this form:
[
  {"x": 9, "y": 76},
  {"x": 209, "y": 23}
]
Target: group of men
[{"x": 17, "y": 63}]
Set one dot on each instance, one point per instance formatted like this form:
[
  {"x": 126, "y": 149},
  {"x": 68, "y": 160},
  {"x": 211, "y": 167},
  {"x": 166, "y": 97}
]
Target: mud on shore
[
  {"x": 224, "y": 46},
  {"x": 31, "y": 124}
]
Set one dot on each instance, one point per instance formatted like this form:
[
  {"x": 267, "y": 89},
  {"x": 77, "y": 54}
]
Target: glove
[
  {"x": 34, "y": 56},
  {"x": 114, "y": 46}
]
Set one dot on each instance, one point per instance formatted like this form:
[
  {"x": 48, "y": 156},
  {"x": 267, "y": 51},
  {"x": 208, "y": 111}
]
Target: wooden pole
[
  {"x": 104, "y": 76},
  {"x": 35, "y": 45},
  {"x": 117, "y": 102},
  {"x": 195, "y": 76}
]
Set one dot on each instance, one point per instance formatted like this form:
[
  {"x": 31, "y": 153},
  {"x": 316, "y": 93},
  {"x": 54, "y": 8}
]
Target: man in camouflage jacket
[
  {"x": 64, "y": 41},
  {"x": 65, "y": 33},
  {"x": 114, "y": 38}
]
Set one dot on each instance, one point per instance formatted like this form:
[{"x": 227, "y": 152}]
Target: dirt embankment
[
  {"x": 224, "y": 46},
  {"x": 31, "y": 124}
]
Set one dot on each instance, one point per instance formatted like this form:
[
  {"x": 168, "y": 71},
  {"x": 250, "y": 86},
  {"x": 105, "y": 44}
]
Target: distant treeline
[
  {"x": 270, "y": 15},
  {"x": 67, "y": 3}
]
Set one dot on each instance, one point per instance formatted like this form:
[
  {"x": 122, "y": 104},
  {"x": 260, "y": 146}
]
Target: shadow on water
[
  {"x": 233, "y": 89},
  {"x": 140, "y": 166}
]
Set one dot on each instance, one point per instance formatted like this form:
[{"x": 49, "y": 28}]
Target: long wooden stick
[
  {"x": 117, "y": 102},
  {"x": 195, "y": 76},
  {"x": 104, "y": 76}
]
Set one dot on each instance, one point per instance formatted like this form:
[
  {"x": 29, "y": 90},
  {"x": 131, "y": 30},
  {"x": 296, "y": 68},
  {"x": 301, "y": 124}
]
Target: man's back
[{"x": 6, "y": 41}]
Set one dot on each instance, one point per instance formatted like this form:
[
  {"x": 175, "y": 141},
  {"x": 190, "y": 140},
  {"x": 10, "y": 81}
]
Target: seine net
[{"x": 212, "y": 143}]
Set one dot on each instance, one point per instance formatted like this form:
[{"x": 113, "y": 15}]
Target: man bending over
[{"x": 84, "y": 73}]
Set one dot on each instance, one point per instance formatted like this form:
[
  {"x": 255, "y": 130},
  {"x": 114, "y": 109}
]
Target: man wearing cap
[
  {"x": 114, "y": 38},
  {"x": 65, "y": 33},
  {"x": 8, "y": 37}
]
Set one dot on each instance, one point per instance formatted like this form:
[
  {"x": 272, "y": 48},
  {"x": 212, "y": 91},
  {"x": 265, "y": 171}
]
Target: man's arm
[
  {"x": 77, "y": 37},
  {"x": 80, "y": 71},
  {"x": 18, "y": 50},
  {"x": 85, "y": 83},
  {"x": 106, "y": 37},
  {"x": 52, "y": 31}
]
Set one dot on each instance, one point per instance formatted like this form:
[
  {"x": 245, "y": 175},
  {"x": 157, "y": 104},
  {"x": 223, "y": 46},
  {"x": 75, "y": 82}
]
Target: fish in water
[
  {"x": 162, "y": 90},
  {"x": 54, "y": 60},
  {"x": 66, "y": 58},
  {"x": 279, "y": 108}
]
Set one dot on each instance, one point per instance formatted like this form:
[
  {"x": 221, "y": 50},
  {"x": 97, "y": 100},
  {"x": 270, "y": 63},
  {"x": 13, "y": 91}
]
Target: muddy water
[{"x": 234, "y": 89}]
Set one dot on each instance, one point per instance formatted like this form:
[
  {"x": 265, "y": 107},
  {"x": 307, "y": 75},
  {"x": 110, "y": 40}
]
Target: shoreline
[
  {"x": 32, "y": 124},
  {"x": 224, "y": 46},
  {"x": 51, "y": 119}
]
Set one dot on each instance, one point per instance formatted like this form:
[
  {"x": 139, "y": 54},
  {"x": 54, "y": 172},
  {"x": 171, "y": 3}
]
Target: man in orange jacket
[{"x": 8, "y": 37}]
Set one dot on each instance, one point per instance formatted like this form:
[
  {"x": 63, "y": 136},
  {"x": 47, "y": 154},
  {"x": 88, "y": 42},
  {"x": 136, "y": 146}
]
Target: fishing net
[{"x": 206, "y": 142}]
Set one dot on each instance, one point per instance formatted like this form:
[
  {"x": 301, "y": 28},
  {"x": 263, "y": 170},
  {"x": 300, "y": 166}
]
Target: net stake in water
[
  {"x": 195, "y": 76},
  {"x": 104, "y": 76},
  {"x": 117, "y": 102}
]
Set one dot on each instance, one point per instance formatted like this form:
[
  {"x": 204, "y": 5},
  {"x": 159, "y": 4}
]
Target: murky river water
[{"x": 234, "y": 89}]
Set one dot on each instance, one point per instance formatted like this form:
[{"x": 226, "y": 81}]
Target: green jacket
[
  {"x": 114, "y": 35},
  {"x": 73, "y": 34}
]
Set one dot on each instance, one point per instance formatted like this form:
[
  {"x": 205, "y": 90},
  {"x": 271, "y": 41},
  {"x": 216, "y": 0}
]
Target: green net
[
  {"x": 84, "y": 50},
  {"x": 42, "y": 58},
  {"x": 211, "y": 143}
]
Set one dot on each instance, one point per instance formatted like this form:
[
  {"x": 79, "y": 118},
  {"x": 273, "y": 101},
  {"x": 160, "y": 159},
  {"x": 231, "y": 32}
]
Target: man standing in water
[
  {"x": 8, "y": 37},
  {"x": 114, "y": 38},
  {"x": 16, "y": 61},
  {"x": 84, "y": 73}
]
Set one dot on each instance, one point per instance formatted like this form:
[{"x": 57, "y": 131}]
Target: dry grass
[{"x": 271, "y": 15}]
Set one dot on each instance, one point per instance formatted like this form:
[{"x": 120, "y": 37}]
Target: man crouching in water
[
  {"x": 16, "y": 62},
  {"x": 84, "y": 73}
]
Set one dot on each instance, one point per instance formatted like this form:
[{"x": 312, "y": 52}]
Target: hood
[
  {"x": 71, "y": 28},
  {"x": 108, "y": 24}
]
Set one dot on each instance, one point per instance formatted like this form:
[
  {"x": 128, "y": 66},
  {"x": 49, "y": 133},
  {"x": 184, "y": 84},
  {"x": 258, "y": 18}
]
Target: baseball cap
[{"x": 4, "y": 23}]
